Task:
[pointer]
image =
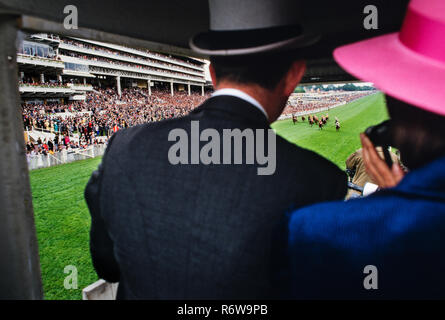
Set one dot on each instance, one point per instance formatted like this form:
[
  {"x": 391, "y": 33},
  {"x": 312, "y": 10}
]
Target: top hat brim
[
  {"x": 396, "y": 70},
  {"x": 247, "y": 42}
]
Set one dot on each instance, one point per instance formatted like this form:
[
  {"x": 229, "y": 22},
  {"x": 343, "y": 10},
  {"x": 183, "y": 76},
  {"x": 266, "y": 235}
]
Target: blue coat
[{"x": 323, "y": 249}]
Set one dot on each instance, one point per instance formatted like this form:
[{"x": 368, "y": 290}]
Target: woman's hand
[{"x": 377, "y": 168}]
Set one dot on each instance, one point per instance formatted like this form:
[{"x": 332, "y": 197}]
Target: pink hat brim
[{"x": 396, "y": 70}]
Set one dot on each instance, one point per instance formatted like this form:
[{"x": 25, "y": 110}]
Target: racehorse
[
  {"x": 323, "y": 119},
  {"x": 337, "y": 125},
  {"x": 320, "y": 124}
]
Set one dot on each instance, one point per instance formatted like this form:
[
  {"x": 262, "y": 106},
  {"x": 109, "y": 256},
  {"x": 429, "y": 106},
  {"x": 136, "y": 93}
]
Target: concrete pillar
[
  {"x": 149, "y": 87},
  {"x": 202, "y": 90},
  {"x": 189, "y": 89},
  {"x": 42, "y": 78},
  {"x": 22, "y": 75},
  {"x": 59, "y": 78},
  {"x": 118, "y": 85},
  {"x": 20, "y": 266},
  {"x": 171, "y": 88},
  {"x": 84, "y": 81}
]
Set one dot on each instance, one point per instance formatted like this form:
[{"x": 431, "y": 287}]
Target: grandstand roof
[
  {"x": 170, "y": 23},
  {"x": 167, "y": 25}
]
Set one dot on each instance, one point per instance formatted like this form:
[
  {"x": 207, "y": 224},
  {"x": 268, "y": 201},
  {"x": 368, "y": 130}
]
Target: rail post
[{"x": 19, "y": 267}]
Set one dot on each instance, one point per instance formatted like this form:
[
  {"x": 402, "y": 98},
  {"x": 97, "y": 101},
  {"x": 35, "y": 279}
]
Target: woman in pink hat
[{"x": 390, "y": 245}]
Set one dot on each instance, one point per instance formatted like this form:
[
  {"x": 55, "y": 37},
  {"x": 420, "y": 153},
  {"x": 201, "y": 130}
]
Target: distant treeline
[{"x": 330, "y": 87}]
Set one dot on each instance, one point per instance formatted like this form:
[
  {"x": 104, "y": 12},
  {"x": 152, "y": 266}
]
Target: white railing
[
  {"x": 37, "y": 133},
  {"x": 65, "y": 156},
  {"x": 303, "y": 113}
]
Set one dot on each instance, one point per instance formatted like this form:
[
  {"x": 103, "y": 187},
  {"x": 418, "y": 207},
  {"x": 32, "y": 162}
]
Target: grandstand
[
  {"x": 53, "y": 66},
  {"x": 77, "y": 92}
]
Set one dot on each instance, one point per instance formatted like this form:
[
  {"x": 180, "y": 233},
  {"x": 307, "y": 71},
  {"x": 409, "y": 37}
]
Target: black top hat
[{"x": 240, "y": 27}]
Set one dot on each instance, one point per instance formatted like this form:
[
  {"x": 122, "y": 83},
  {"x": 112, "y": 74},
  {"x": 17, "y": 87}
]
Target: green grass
[
  {"x": 63, "y": 221},
  {"x": 354, "y": 118}
]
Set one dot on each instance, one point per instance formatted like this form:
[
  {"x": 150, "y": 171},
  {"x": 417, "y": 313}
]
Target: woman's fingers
[
  {"x": 370, "y": 168},
  {"x": 376, "y": 167},
  {"x": 398, "y": 172}
]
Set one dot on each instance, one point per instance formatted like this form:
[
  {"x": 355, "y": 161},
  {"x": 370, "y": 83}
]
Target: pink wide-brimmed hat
[{"x": 408, "y": 65}]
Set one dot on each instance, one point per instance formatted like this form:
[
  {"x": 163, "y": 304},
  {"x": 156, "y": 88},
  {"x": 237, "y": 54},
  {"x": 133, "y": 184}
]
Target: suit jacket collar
[
  {"x": 242, "y": 95},
  {"x": 235, "y": 107}
]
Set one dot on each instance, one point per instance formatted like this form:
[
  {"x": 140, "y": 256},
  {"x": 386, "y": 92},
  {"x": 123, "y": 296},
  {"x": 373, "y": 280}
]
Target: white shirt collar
[{"x": 242, "y": 95}]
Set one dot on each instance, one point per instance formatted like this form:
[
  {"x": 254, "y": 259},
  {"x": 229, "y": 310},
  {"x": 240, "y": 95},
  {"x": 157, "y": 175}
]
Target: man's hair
[
  {"x": 265, "y": 70},
  {"x": 417, "y": 133}
]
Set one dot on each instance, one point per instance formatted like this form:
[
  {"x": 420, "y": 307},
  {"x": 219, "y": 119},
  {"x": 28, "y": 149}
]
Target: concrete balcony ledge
[
  {"x": 39, "y": 61},
  {"x": 78, "y": 73},
  {"x": 43, "y": 88},
  {"x": 82, "y": 87}
]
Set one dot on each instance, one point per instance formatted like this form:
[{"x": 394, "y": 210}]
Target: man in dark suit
[{"x": 168, "y": 230}]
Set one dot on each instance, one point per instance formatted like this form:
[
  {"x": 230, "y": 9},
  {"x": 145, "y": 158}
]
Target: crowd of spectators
[
  {"x": 84, "y": 123},
  {"x": 301, "y": 103},
  {"x": 103, "y": 112}
]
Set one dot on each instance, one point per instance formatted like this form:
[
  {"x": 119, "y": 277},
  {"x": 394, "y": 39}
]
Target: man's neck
[{"x": 265, "y": 97}]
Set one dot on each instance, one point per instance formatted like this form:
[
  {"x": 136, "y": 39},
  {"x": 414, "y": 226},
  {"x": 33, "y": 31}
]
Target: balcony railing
[
  {"x": 105, "y": 54},
  {"x": 80, "y": 87},
  {"x": 128, "y": 68},
  {"x": 148, "y": 54},
  {"x": 138, "y": 76},
  {"x": 46, "y": 62},
  {"x": 44, "y": 88}
]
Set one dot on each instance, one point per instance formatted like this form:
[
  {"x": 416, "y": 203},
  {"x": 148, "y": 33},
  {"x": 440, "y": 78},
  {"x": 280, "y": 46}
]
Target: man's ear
[
  {"x": 212, "y": 75},
  {"x": 294, "y": 76}
]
